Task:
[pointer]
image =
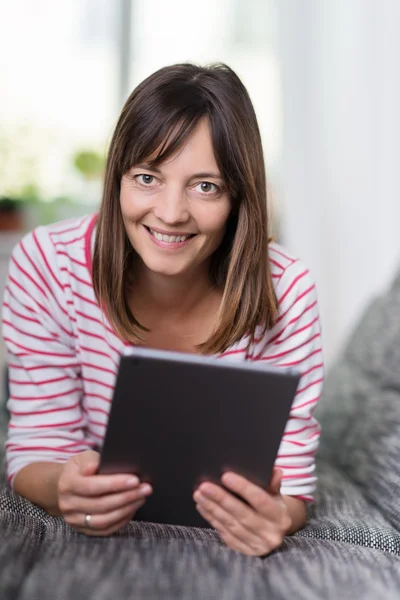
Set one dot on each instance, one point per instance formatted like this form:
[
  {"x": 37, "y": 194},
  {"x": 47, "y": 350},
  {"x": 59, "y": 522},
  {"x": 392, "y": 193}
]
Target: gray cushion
[
  {"x": 360, "y": 408},
  {"x": 64, "y": 564},
  {"x": 342, "y": 513}
]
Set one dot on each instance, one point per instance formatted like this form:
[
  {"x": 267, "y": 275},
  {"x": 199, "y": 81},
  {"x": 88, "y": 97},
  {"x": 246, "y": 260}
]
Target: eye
[
  {"x": 206, "y": 187},
  {"x": 145, "y": 179}
]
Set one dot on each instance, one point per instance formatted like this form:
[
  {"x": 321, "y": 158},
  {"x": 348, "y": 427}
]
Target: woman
[{"x": 178, "y": 258}]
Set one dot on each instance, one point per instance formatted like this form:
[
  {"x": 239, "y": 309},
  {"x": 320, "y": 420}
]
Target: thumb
[
  {"x": 88, "y": 462},
  {"x": 276, "y": 481}
]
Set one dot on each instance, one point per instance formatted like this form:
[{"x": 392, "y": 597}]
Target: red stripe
[
  {"x": 91, "y": 366},
  {"x": 97, "y": 435},
  {"x": 292, "y": 322},
  {"x": 97, "y": 423},
  {"x": 92, "y": 302},
  {"x": 107, "y": 385},
  {"x": 302, "y": 429},
  {"x": 36, "y": 269},
  {"x": 31, "y": 351},
  {"x": 43, "y": 412},
  {"x": 28, "y": 276},
  {"x": 46, "y": 284},
  {"x": 39, "y": 305},
  {"x": 230, "y": 352},
  {"x": 61, "y": 232},
  {"x": 48, "y": 426},
  {"x": 99, "y": 337},
  {"x": 301, "y": 444},
  {"x": 314, "y": 368},
  {"x": 58, "y": 436},
  {"x": 306, "y": 387},
  {"x": 289, "y": 351},
  {"x": 304, "y": 328},
  {"x": 95, "y": 320},
  {"x": 302, "y": 295},
  {"x": 51, "y": 397},
  {"x": 299, "y": 476},
  {"x": 100, "y": 410},
  {"x": 297, "y": 362},
  {"x": 74, "y": 260},
  {"x": 30, "y": 335},
  {"x": 8, "y": 289},
  {"x": 46, "y": 262},
  {"x": 78, "y": 239},
  {"x": 291, "y": 286},
  {"x": 88, "y": 239},
  {"x": 50, "y": 448},
  {"x": 274, "y": 262},
  {"x": 99, "y": 396},
  {"x": 35, "y": 368},
  {"x": 88, "y": 283},
  {"x": 273, "y": 249},
  {"x": 275, "y": 339},
  {"x": 99, "y": 353},
  {"x": 292, "y": 466},
  {"x": 299, "y": 455},
  {"x": 304, "y": 498},
  {"x": 313, "y": 401},
  {"x": 30, "y": 319},
  {"x": 42, "y": 382}
]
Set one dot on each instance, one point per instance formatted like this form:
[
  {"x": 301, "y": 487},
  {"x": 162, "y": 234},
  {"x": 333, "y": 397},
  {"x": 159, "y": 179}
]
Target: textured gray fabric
[
  {"x": 342, "y": 513},
  {"x": 360, "y": 410},
  {"x": 46, "y": 561}
]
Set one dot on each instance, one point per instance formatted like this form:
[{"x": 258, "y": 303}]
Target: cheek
[{"x": 131, "y": 206}]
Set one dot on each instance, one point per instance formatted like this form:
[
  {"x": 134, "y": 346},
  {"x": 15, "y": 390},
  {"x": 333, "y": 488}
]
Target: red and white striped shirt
[{"x": 63, "y": 354}]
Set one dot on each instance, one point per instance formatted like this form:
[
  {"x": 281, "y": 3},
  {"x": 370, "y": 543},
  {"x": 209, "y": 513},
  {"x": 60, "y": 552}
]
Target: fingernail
[
  {"x": 228, "y": 479},
  {"x": 132, "y": 481},
  {"x": 145, "y": 489}
]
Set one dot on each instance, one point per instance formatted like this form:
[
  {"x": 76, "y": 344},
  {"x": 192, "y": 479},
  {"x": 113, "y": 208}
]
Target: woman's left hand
[{"x": 256, "y": 528}]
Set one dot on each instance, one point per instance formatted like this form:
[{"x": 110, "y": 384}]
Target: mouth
[{"x": 175, "y": 238}]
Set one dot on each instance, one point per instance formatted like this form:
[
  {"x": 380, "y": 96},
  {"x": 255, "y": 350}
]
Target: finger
[
  {"x": 245, "y": 525},
  {"x": 97, "y": 485},
  {"x": 276, "y": 481},
  {"x": 87, "y": 462},
  {"x": 100, "y": 524},
  {"x": 234, "y": 507},
  {"x": 258, "y": 498},
  {"x": 102, "y": 504},
  {"x": 238, "y": 546},
  {"x": 232, "y": 540}
]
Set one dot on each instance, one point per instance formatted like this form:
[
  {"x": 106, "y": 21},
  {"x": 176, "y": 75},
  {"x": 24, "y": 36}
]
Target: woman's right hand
[{"x": 110, "y": 500}]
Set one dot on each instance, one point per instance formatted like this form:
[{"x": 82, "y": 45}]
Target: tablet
[{"x": 179, "y": 419}]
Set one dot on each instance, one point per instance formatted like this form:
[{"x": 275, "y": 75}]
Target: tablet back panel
[{"x": 178, "y": 419}]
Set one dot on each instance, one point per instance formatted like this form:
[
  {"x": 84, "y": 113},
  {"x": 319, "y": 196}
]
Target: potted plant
[{"x": 11, "y": 214}]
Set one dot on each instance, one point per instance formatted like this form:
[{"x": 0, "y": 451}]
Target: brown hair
[{"x": 160, "y": 114}]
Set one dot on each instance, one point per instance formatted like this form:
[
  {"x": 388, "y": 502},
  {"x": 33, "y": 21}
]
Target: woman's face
[{"x": 175, "y": 215}]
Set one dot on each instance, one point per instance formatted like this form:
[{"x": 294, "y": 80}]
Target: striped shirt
[{"x": 63, "y": 355}]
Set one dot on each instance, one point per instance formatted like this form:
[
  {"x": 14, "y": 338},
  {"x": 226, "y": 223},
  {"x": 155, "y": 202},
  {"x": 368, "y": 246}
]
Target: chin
[{"x": 166, "y": 268}]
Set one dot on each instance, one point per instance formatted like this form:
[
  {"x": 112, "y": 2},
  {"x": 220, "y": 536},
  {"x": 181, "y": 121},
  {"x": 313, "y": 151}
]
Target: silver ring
[{"x": 88, "y": 518}]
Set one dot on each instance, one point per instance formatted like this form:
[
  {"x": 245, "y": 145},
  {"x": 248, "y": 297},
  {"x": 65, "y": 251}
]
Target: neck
[{"x": 178, "y": 295}]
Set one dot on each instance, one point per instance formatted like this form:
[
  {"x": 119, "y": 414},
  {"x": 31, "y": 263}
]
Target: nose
[{"x": 172, "y": 207}]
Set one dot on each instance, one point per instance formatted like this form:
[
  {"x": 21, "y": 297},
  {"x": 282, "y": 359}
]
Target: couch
[{"x": 349, "y": 549}]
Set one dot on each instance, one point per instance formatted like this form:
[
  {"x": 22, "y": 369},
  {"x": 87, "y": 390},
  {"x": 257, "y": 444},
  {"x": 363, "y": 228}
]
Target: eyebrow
[{"x": 202, "y": 175}]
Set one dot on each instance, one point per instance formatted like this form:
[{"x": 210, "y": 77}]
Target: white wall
[{"x": 341, "y": 140}]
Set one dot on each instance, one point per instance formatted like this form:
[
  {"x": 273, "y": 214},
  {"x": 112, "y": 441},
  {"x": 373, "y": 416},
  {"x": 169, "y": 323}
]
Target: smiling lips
[{"x": 172, "y": 241}]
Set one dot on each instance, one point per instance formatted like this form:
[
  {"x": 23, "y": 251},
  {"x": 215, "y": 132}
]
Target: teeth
[{"x": 169, "y": 238}]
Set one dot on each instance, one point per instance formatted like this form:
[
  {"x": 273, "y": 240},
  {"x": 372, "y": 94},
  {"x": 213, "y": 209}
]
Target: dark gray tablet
[{"x": 179, "y": 419}]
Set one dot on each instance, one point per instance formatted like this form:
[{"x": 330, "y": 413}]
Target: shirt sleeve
[
  {"x": 47, "y": 423},
  {"x": 295, "y": 341}
]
